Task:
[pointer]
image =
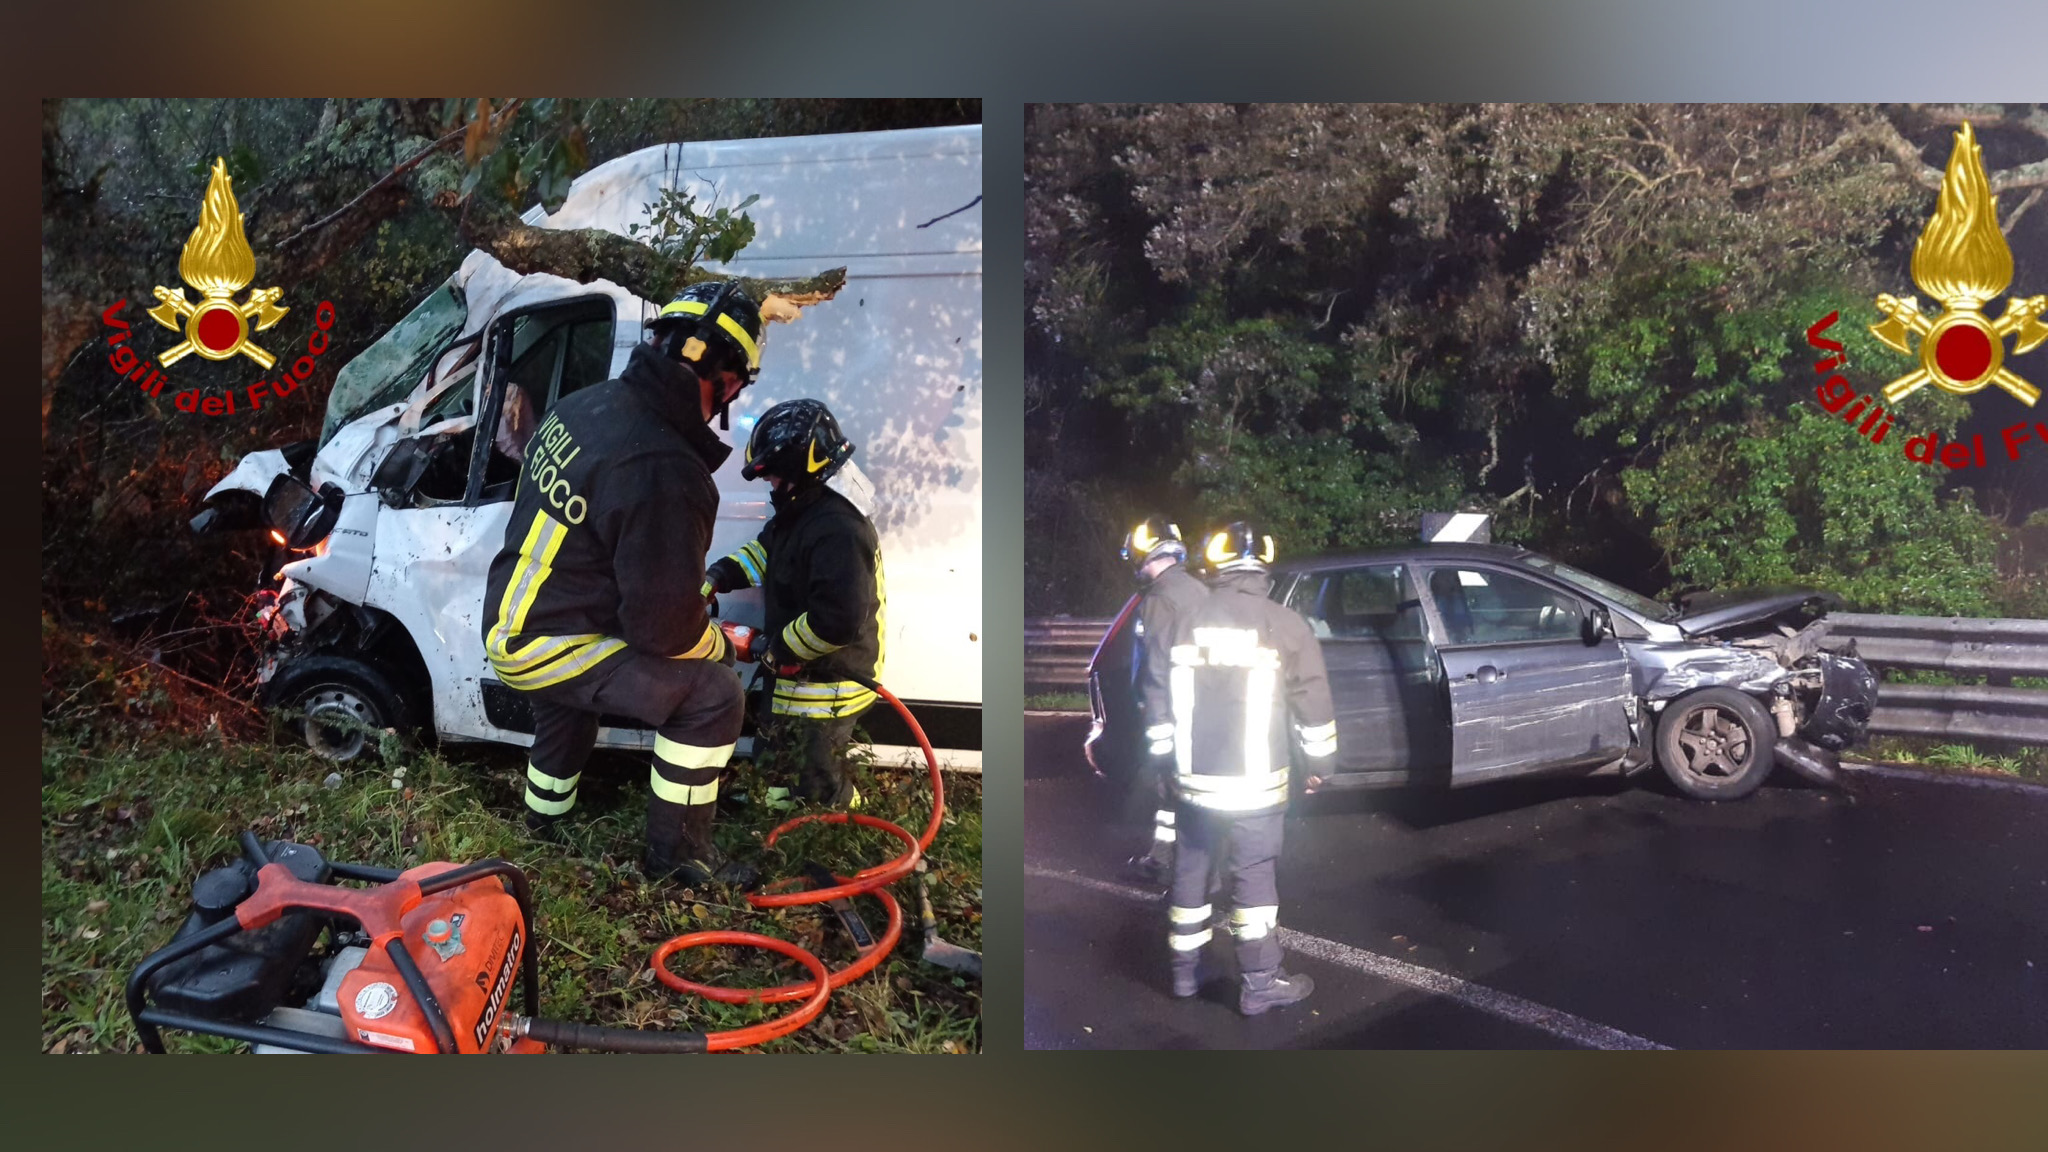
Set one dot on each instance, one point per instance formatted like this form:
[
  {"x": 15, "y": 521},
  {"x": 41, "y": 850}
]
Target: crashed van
[
  {"x": 389, "y": 521},
  {"x": 1459, "y": 663}
]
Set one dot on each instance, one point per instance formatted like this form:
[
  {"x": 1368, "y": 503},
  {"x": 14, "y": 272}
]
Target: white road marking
[
  {"x": 1491, "y": 1001},
  {"x": 1935, "y": 776}
]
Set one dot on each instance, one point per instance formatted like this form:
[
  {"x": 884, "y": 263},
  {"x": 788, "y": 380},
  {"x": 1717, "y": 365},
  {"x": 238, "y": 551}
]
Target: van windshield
[{"x": 1640, "y": 605}]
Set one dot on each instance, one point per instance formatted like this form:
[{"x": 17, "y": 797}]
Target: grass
[
  {"x": 132, "y": 817},
  {"x": 2023, "y": 762},
  {"x": 1056, "y": 702}
]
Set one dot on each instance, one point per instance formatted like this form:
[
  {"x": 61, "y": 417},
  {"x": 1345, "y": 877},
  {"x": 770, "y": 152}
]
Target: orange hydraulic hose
[{"x": 869, "y": 880}]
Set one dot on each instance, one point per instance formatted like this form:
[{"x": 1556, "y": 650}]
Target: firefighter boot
[
  {"x": 679, "y": 847},
  {"x": 1190, "y": 971},
  {"x": 1271, "y": 988},
  {"x": 542, "y": 827}
]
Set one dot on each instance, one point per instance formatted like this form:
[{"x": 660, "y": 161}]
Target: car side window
[
  {"x": 1483, "y": 606},
  {"x": 1365, "y": 603}
]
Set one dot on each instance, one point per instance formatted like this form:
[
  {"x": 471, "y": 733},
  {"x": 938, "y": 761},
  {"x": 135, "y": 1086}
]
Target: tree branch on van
[{"x": 586, "y": 254}]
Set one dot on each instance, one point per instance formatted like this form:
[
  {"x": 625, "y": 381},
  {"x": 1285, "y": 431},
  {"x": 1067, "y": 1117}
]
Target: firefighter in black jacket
[
  {"x": 819, "y": 567},
  {"x": 1246, "y": 684},
  {"x": 1158, "y": 556},
  {"x": 590, "y": 606}
]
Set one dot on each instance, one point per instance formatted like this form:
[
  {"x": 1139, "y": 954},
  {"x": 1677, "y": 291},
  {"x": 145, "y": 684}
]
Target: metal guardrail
[
  {"x": 1057, "y": 650},
  {"x": 1997, "y": 650}
]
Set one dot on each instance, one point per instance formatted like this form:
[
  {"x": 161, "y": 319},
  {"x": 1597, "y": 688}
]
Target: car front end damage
[{"x": 1769, "y": 649}]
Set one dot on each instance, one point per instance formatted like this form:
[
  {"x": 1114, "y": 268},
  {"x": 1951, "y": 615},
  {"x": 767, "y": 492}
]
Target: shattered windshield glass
[
  {"x": 1640, "y": 605},
  {"x": 388, "y": 370}
]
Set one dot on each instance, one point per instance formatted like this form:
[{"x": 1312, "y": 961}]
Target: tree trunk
[{"x": 586, "y": 254}]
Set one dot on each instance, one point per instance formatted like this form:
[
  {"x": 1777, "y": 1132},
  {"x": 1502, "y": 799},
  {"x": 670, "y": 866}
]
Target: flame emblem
[
  {"x": 1963, "y": 261},
  {"x": 218, "y": 263}
]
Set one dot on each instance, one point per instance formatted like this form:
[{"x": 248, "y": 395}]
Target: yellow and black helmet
[
  {"x": 712, "y": 324},
  {"x": 1236, "y": 547},
  {"x": 798, "y": 440},
  {"x": 1154, "y": 536}
]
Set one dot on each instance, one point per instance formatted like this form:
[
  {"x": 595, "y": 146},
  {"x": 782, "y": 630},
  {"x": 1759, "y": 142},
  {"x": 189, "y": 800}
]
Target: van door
[
  {"x": 434, "y": 558},
  {"x": 1526, "y": 691}
]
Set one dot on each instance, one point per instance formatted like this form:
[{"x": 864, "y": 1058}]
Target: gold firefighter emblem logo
[
  {"x": 217, "y": 263},
  {"x": 1963, "y": 261}
]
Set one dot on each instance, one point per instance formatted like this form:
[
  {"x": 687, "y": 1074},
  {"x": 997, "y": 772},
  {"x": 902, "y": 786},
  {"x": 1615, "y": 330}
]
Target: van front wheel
[{"x": 337, "y": 704}]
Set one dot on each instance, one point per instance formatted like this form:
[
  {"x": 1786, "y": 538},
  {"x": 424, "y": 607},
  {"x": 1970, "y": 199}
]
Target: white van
[{"x": 394, "y": 515}]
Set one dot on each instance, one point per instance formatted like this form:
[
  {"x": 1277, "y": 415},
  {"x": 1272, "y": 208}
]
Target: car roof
[{"x": 1501, "y": 553}]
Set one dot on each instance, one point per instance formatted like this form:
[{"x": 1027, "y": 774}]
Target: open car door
[{"x": 1385, "y": 681}]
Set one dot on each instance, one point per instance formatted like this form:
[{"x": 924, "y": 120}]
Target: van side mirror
[
  {"x": 299, "y": 516},
  {"x": 1599, "y": 624}
]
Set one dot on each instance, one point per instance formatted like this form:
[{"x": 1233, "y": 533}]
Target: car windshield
[{"x": 1638, "y": 604}]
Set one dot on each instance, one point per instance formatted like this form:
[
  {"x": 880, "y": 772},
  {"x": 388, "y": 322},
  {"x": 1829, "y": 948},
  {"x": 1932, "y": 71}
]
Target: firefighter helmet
[
  {"x": 1154, "y": 536},
  {"x": 712, "y": 324},
  {"x": 797, "y": 440},
  {"x": 1237, "y": 547}
]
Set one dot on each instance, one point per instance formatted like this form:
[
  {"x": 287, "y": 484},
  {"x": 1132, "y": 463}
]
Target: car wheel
[
  {"x": 337, "y": 704},
  {"x": 1716, "y": 744}
]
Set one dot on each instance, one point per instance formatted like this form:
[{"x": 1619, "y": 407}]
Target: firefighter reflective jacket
[
  {"x": 1247, "y": 681},
  {"x": 1171, "y": 595},
  {"x": 609, "y": 528},
  {"x": 819, "y": 568}
]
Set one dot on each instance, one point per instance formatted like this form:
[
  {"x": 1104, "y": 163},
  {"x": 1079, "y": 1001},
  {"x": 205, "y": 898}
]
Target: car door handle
[{"x": 1486, "y": 674}]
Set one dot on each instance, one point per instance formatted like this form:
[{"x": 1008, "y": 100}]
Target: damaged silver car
[{"x": 1452, "y": 664}]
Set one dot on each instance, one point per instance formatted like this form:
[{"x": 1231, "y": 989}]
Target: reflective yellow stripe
[
  {"x": 1197, "y": 782},
  {"x": 583, "y": 660},
  {"x": 1188, "y": 943},
  {"x": 709, "y": 646},
  {"x": 819, "y": 709},
  {"x": 1178, "y": 915},
  {"x": 820, "y": 690},
  {"x": 536, "y": 562},
  {"x": 803, "y": 626},
  {"x": 881, "y": 616},
  {"x": 725, "y": 321},
  {"x": 1254, "y": 923},
  {"x": 1320, "y": 740},
  {"x": 548, "y": 807},
  {"x": 826, "y": 701},
  {"x": 676, "y": 793},
  {"x": 690, "y": 755},
  {"x": 541, "y": 650},
  {"x": 804, "y": 642},
  {"x": 552, "y": 783},
  {"x": 753, "y": 560}
]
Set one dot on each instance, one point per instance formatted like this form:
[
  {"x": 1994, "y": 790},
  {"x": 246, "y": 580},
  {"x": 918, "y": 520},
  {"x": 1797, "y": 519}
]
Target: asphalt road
[{"x": 1571, "y": 913}]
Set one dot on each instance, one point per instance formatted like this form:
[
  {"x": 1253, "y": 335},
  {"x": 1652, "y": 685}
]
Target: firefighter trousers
[
  {"x": 695, "y": 709},
  {"x": 816, "y": 747},
  {"x": 1246, "y": 850}
]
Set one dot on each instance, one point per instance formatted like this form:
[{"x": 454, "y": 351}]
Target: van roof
[{"x": 824, "y": 200}]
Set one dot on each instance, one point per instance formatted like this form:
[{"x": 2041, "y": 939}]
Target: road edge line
[{"x": 1480, "y": 997}]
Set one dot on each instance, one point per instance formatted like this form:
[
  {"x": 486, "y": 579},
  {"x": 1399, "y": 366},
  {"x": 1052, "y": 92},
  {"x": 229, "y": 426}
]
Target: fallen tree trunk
[{"x": 586, "y": 254}]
